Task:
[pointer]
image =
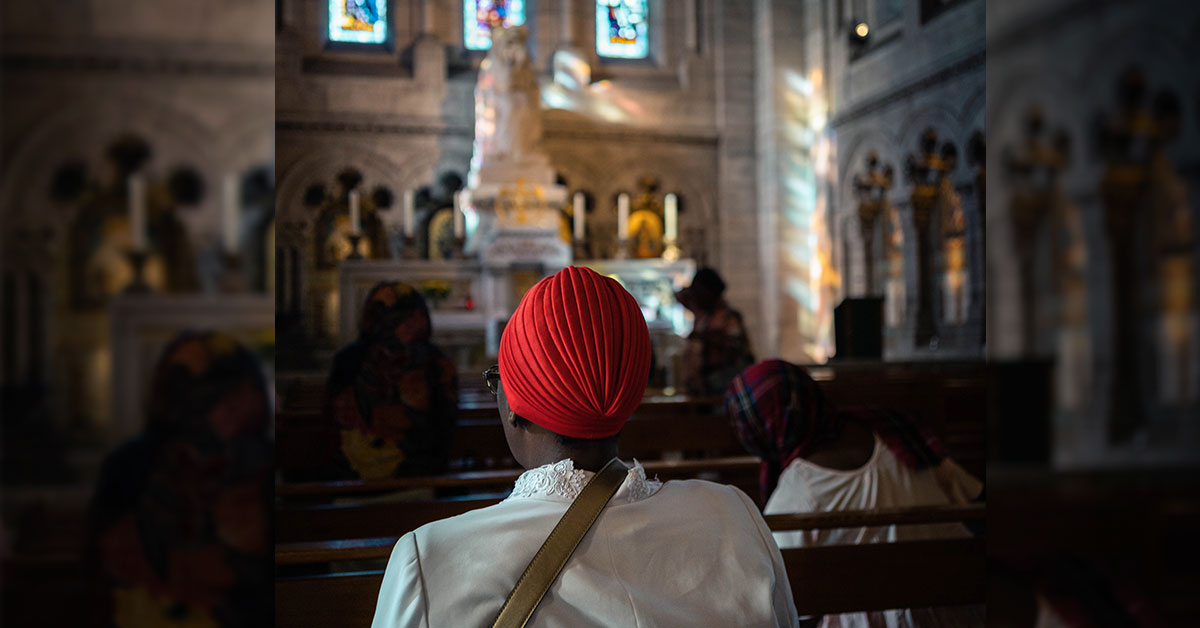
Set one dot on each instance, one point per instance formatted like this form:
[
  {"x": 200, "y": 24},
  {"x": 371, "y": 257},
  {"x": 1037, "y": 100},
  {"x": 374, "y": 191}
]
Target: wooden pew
[
  {"x": 737, "y": 467},
  {"x": 311, "y": 552},
  {"x": 316, "y": 522},
  {"x": 948, "y": 398},
  {"x": 295, "y": 522},
  {"x": 307, "y": 441},
  {"x": 881, "y": 576},
  {"x": 828, "y": 579}
]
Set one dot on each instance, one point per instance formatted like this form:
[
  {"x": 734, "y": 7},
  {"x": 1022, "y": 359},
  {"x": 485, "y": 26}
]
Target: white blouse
[
  {"x": 883, "y": 482},
  {"x": 680, "y": 553}
]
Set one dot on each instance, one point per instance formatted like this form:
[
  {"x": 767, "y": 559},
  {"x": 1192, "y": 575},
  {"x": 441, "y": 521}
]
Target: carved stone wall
[
  {"x": 1078, "y": 91},
  {"x": 885, "y": 95},
  {"x": 685, "y": 117},
  {"x": 194, "y": 83}
]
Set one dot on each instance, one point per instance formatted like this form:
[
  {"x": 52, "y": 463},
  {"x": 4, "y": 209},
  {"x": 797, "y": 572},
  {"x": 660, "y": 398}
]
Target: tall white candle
[
  {"x": 229, "y": 213},
  {"x": 137, "y": 211},
  {"x": 580, "y": 208},
  {"x": 623, "y": 216},
  {"x": 409, "y": 220},
  {"x": 460, "y": 227},
  {"x": 671, "y": 218},
  {"x": 355, "y": 215}
]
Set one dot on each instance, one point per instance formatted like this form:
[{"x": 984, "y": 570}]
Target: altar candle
[
  {"x": 355, "y": 215},
  {"x": 671, "y": 213},
  {"x": 623, "y": 216},
  {"x": 580, "y": 214},
  {"x": 409, "y": 220},
  {"x": 229, "y": 213},
  {"x": 460, "y": 228},
  {"x": 137, "y": 211}
]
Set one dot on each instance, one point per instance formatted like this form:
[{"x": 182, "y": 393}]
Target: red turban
[{"x": 575, "y": 356}]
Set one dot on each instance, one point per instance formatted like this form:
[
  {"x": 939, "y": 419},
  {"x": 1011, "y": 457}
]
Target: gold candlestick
[
  {"x": 355, "y": 238},
  {"x": 231, "y": 275},
  {"x": 138, "y": 284}
]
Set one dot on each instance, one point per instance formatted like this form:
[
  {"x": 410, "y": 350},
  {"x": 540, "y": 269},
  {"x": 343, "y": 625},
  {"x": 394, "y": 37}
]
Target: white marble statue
[{"x": 507, "y": 117}]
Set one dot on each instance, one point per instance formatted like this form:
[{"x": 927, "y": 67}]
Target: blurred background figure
[
  {"x": 181, "y": 518},
  {"x": 817, "y": 458},
  {"x": 718, "y": 347},
  {"x": 137, "y": 200},
  {"x": 392, "y": 392}
]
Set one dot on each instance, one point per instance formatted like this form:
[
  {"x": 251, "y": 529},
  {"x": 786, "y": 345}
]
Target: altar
[
  {"x": 470, "y": 301},
  {"x": 514, "y": 223}
]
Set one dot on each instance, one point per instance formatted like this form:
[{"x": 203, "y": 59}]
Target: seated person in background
[
  {"x": 180, "y": 522},
  {"x": 718, "y": 347},
  {"x": 574, "y": 361},
  {"x": 392, "y": 391},
  {"x": 818, "y": 459}
]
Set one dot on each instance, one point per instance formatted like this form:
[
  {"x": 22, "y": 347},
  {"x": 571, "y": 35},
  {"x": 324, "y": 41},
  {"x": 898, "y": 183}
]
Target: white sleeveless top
[{"x": 883, "y": 482}]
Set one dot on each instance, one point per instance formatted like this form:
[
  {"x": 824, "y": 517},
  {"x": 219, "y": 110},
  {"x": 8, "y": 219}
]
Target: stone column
[
  {"x": 429, "y": 55},
  {"x": 922, "y": 221},
  {"x": 567, "y": 24}
]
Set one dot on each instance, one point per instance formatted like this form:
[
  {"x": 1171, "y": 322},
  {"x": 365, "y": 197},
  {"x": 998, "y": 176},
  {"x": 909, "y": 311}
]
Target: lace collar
[{"x": 561, "y": 480}]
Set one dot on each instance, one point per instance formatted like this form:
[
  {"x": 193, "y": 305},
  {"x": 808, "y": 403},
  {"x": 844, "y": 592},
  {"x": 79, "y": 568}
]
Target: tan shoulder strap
[{"x": 543, "y": 570}]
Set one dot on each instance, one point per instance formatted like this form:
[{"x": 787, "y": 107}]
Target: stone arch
[
  {"x": 296, "y": 234},
  {"x": 172, "y": 133},
  {"x": 941, "y": 118},
  {"x": 81, "y": 130},
  {"x": 323, "y": 164}
]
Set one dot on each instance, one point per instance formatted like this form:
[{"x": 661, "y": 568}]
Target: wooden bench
[
  {"x": 317, "y": 522},
  {"x": 307, "y": 441},
  {"x": 948, "y": 398},
  {"x": 733, "y": 466},
  {"x": 301, "y": 441},
  {"x": 828, "y": 579},
  {"x": 312, "y": 552}
]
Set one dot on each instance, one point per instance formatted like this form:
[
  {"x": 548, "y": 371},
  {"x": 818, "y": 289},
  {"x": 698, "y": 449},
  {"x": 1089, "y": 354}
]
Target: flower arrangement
[{"x": 435, "y": 289}]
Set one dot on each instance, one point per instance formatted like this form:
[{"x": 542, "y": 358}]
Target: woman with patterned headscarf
[
  {"x": 180, "y": 522},
  {"x": 816, "y": 458},
  {"x": 392, "y": 392}
]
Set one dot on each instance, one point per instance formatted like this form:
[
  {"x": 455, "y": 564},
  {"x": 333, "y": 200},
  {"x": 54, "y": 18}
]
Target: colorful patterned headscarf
[
  {"x": 781, "y": 414},
  {"x": 394, "y": 310},
  {"x": 181, "y": 516}
]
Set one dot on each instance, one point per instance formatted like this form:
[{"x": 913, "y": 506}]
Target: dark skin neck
[
  {"x": 539, "y": 446},
  {"x": 850, "y": 450},
  {"x": 533, "y": 445}
]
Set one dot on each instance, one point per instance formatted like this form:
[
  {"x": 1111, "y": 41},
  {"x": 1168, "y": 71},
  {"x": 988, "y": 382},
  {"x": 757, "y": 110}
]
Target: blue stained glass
[
  {"x": 622, "y": 30},
  {"x": 358, "y": 21},
  {"x": 479, "y": 16}
]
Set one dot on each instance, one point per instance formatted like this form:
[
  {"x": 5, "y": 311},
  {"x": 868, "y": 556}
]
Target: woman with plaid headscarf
[{"x": 816, "y": 458}]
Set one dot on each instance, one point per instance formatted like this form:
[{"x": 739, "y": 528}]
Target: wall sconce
[{"x": 859, "y": 34}]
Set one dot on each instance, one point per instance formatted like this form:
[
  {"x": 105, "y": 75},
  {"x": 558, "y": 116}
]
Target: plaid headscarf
[{"x": 781, "y": 414}]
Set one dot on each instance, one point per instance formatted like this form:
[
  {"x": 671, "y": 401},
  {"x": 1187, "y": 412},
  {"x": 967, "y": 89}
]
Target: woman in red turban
[{"x": 574, "y": 361}]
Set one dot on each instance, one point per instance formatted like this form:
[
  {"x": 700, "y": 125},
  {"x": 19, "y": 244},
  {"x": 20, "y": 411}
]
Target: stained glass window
[
  {"x": 358, "y": 21},
  {"x": 622, "y": 30},
  {"x": 480, "y": 16}
]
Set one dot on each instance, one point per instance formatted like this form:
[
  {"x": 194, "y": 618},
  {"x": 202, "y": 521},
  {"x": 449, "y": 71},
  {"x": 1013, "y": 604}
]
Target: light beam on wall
[{"x": 805, "y": 260}]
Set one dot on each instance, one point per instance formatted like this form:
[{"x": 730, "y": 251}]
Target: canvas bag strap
[{"x": 549, "y": 561}]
